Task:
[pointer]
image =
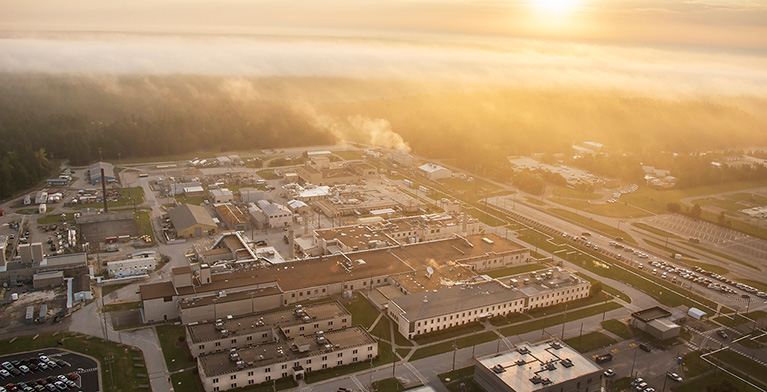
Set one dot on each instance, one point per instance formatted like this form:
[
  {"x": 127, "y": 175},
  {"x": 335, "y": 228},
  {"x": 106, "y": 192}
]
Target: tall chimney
[{"x": 104, "y": 190}]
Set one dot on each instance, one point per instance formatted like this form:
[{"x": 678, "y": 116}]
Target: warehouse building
[
  {"x": 223, "y": 195},
  {"x": 250, "y": 195},
  {"x": 94, "y": 172},
  {"x": 294, "y": 358},
  {"x": 656, "y": 321},
  {"x": 547, "y": 366},
  {"x": 192, "y": 221},
  {"x": 265, "y": 327},
  {"x": 131, "y": 267},
  {"x": 434, "y": 172},
  {"x": 232, "y": 216},
  {"x": 272, "y": 215},
  {"x": 424, "y": 312}
]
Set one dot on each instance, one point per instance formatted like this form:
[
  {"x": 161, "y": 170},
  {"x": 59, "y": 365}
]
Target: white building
[
  {"x": 425, "y": 312},
  {"x": 250, "y": 195},
  {"x": 275, "y": 215},
  {"x": 131, "y": 267},
  {"x": 294, "y": 358},
  {"x": 223, "y": 195},
  {"x": 434, "y": 172},
  {"x": 547, "y": 366}
]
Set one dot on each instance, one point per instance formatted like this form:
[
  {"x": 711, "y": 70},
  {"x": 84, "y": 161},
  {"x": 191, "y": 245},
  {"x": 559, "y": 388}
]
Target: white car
[
  {"x": 4, "y": 373},
  {"x": 609, "y": 373},
  {"x": 674, "y": 376}
]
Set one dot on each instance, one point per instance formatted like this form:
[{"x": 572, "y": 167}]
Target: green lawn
[
  {"x": 349, "y": 155},
  {"x": 144, "y": 222},
  {"x": 740, "y": 319},
  {"x": 608, "y": 289},
  {"x": 186, "y": 381},
  {"x": 723, "y": 203},
  {"x": 515, "y": 270},
  {"x": 617, "y": 327},
  {"x": 656, "y": 200},
  {"x": 196, "y": 200},
  {"x": 700, "y": 384},
  {"x": 55, "y": 218},
  {"x": 125, "y": 374},
  {"x": 388, "y": 384},
  {"x": 590, "y": 342},
  {"x": 742, "y": 365},
  {"x": 549, "y": 321},
  {"x": 267, "y": 174},
  {"x": 509, "y": 319},
  {"x": 612, "y": 210},
  {"x": 121, "y": 306},
  {"x": 401, "y": 340},
  {"x": 478, "y": 187},
  {"x": 363, "y": 312},
  {"x": 486, "y": 218},
  {"x": 466, "y": 341},
  {"x": 403, "y": 352},
  {"x": 655, "y": 230},
  {"x": 670, "y": 251},
  {"x": 172, "y": 340},
  {"x": 579, "y": 303},
  {"x": 382, "y": 328},
  {"x": 599, "y": 226}
]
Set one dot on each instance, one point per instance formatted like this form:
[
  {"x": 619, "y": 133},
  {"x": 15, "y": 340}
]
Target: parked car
[
  {"x": 674, "y": 376},
  {"x": 722, "y": 334},
  {"x": 609, "y": 373},
  {"x": 645, "y": 347}
]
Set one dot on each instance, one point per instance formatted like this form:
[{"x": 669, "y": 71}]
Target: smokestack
[{"x": 104, "y": 190}]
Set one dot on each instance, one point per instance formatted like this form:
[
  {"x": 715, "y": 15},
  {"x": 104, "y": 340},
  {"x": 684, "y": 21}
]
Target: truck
[
  {"x": 30, "y": 317},
  {"x": 43, "y": 313}
]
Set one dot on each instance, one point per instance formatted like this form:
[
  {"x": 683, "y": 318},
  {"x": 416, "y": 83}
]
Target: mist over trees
[{"x": 71, "y": 117}]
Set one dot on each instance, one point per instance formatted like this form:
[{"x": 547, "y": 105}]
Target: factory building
[
  {"x": 547, "y": 366},
  {"x": 192, "y": 221}
]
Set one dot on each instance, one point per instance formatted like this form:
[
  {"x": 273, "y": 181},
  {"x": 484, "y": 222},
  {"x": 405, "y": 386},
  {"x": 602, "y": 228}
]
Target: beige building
[
  {"x": 267, "y": 327},
  {"x": 236, "y": 287},
  {"x": 547, "y": 366},
  {"x": 131, "y": 267},
  {"x": 293, "y": 358},
  {"x": 434, "y": 172},
  {"x": 192, "y": 221},
  {"x": 222, "y": 195},
  {"x": 424, "y": 312}
]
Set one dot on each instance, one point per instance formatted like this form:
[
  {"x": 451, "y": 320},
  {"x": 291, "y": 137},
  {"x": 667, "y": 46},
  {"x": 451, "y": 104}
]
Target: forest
[{"x": 48, "y": 118}]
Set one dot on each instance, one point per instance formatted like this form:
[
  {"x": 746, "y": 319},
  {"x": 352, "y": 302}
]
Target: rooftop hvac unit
[
  {"x": 328, "y": 347},
  {"x": 536, "y": 379},
  {"x": 224, "y": 333},
  {"x": 520, "y": 362},
  {"x": 555, "y": 345},
  {"x": 233, "y": 355},
  {"x": 229, "y": 317},
  {"x": 523, "y": 350},
  {"x": 219, "y": 325},
  {"x": 307, "y": 319},
  {"x": 567, "y": 363},
  {"x": 498, "y": 369}
]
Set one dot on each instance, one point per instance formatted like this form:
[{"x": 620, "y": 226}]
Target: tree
[
  {"x": 695, "y": 211},
  {"x": 595, "y": 289},
  {"x": 673, "y": 208}
]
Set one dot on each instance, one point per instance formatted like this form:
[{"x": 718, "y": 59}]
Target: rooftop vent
[
  {"x": 523, "y": 350},
  {"x": 520, "y": 362},
  {"x": 498, "y": 369},
  {"x": 555, "y": 345},
  {"x": 536, "y": 379},
  {"x": 567, "y": 363},
  {"x": 546, "y": 381}
]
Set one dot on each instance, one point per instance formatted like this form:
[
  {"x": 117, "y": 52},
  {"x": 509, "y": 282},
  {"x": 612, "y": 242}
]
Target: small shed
[{"x": 696, "y": 313}]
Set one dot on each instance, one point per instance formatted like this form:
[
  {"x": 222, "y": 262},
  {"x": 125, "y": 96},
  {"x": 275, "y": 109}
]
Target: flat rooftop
[
  {"x": 229, "y": 297},
  {"x": 650, "y": 314},
  {"x": 246, "y": 325},
  {"x": 455, "y": 299},
  {"x": 360, "y": 236},
  {"x": 216, "y": 364},
  {"x": 518, "y": 370}
]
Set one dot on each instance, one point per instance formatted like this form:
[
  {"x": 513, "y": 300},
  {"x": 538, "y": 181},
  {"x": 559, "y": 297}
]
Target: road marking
[
  {"x": 418, "y": 374},
  {"x": 358, "y": 384}
]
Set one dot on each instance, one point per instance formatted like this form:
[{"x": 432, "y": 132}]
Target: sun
[{"x": 554, "y": 7}]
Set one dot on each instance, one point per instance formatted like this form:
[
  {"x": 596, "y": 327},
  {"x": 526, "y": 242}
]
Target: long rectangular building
[
  {"x": 425, "y": 312},
  {"x": 270, "y": 361},
  {"x": 259, "y": 328}
]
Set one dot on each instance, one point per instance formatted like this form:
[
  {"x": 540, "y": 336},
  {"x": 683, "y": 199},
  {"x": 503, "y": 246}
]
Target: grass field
[
  {"x": 515, "y": 270},
  {"x": 588, "y": 301},
  {"x": 171, "y": 339},
  {"x": 612, "y": 210},
  {"x": 363, "y": 312},
  {"x": 670, "y": 251},
  {"x": 608, "y": 289},
  {"x": 476, "y": 187},
  {"x": 740, "y": 319},
  {"x": 599, "y": 226},
  {"x": 655, "y": 230},
  {"x": 546, "y": 322},
  {"x": 144, "y": 221},
  {"x": 388, "y": 384},
  {"x": 267, "y": 174},
  {"x": 656, "y": 200},
  {"x": 55, "y": 218},
  {"x": 121, "y": 306},
  {"x": 196, "y": 200},
  {"x": 106, "y": 290},
  {"x": 349, "y": 155},
  {"x": 449, "y": 333},
  {"x": 125, "y": 379},
  {"x": 486, "y": 218},
  {"x": 590, "y": 342},
  {"x": 466, "y": 341},
  {"x": 617, "y": 327},
  {"x": 382, "y": 329}
]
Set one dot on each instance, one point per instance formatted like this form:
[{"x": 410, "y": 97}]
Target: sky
[{"x": 668, "y": 48}]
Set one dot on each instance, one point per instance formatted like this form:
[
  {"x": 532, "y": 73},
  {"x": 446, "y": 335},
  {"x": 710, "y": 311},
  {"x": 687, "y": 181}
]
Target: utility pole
[{"x": 634, "y": 361}]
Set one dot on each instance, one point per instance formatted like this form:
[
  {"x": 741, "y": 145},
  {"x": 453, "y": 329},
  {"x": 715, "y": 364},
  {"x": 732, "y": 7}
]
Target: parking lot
[
  {"x": 708, "y": 232},
  {"x": 61, "y": 372}
]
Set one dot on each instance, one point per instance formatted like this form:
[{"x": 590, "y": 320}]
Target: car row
[
  {"x": 51, "y": 384},
  {"x": 29, "y": 365}
]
